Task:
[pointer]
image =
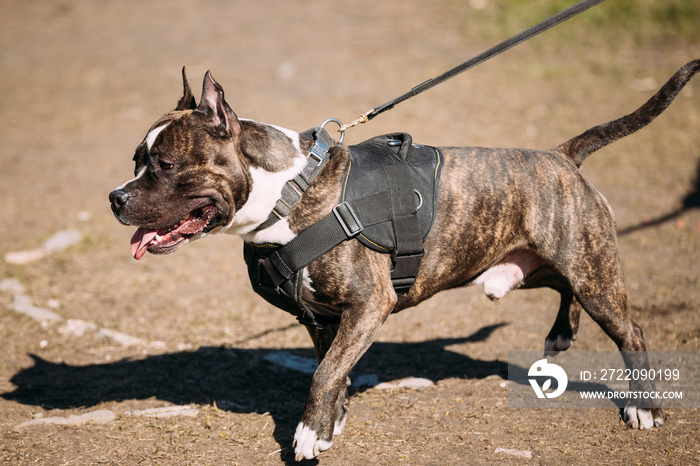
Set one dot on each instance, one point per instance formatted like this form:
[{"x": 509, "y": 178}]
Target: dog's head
[{"x": 194, "y": 171}]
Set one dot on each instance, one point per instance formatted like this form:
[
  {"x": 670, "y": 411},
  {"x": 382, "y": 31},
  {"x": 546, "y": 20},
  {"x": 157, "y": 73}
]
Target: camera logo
[{"x": 542, "y": 368}]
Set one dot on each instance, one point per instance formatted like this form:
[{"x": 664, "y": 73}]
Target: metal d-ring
[
  {"x": 340, "y": 126},
  {"x": 420, "y": 200}
]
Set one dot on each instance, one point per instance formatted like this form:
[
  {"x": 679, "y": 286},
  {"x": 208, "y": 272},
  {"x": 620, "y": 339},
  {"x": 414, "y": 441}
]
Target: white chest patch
[
  {"x": 265, "y": 192},
  {"x": 279, "y": 233}
]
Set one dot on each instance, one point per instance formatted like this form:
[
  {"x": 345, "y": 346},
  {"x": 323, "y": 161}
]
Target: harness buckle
[
  {"x": 348, "y": 219},
  {"x": 406, "y": 266},
  {"x": 318, "y": 151},
  {"x": 402, "y": 285}
]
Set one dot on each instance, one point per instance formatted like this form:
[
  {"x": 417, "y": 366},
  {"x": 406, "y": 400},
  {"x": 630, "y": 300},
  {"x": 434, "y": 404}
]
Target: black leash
[{"x": 482, "y": 57}]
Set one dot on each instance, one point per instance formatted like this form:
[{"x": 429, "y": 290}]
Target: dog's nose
[{"x": 118, "y": 198}]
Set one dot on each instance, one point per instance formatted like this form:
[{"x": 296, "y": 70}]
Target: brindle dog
[{"x": 507, "y": 218}]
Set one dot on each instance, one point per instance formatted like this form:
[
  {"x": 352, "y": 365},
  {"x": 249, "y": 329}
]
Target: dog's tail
[{"x": 600, "y": 136}]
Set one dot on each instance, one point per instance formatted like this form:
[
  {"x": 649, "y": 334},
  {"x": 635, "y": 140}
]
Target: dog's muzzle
[{"x": 118, "y": 199}]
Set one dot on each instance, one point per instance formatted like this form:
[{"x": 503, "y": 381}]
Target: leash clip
[{"x": 364, "y": 118}]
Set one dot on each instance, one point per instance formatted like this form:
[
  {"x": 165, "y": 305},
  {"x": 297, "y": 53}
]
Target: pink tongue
[{"x": 140, "y": 241}]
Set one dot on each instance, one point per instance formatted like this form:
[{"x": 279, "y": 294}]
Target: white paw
[
  {"x": 639, "y": 418},
  {"x": 306, "y": 443}
]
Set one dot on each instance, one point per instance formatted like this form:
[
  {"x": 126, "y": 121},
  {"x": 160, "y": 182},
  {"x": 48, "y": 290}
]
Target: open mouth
[{"x": 169, "y": 239}]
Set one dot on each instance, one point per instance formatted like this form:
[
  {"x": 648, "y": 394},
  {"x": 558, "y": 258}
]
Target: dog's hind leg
[
  {"x": 565, "y": 328},
  {"x": 597, "y": 281},
  {"x": 609, "y": 310}
]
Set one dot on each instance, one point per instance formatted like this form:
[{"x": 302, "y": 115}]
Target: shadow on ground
[
  {"x": 238, "y": 380},
  {"x": 691, "y": 201}
]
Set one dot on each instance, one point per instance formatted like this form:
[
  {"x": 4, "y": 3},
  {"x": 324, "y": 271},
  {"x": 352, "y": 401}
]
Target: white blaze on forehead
[
  {"x": 138, "y": 175},
  {"x": 151, "y": 137}
]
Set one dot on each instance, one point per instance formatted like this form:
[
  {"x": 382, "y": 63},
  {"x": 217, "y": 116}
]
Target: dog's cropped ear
[
  {"x": 187, "y": 101},
  {"x": 215, "y": 107}
]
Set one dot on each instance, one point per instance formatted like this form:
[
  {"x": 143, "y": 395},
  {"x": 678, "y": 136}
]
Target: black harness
[{"x": 388, "y": 203}]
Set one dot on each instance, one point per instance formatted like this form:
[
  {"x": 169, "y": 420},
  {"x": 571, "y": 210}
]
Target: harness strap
[
  {"x": 276, "y": 272},
  {"x": 346, "y": 221},
  {"x": 287, "y": 295},
  {"x": 284, "y": 265},
  {"x": 341, "y": 224},
  {"x": 294, "y": 188},
  {"x": 409, "y": 238}
]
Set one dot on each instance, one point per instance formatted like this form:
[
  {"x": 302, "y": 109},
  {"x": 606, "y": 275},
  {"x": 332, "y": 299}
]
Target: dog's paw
[
  {"x": 307, "y": 445},
  {"x": 643, "y": 418},
  {"x": 552, "y": 347}
]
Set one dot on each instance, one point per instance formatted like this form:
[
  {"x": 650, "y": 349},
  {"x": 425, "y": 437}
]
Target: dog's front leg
[
  {"x": 323, "y": 339},
  {"x": 359, "y": 327}
]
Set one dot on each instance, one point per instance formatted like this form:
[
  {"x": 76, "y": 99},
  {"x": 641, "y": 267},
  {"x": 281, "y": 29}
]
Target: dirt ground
[{"x": 81, "y": 82}]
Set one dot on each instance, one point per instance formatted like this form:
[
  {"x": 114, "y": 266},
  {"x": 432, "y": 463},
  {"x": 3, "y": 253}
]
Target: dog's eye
[{"x": 166, "y": 165}]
